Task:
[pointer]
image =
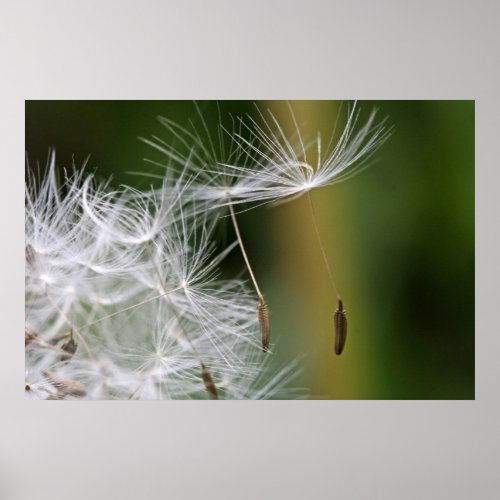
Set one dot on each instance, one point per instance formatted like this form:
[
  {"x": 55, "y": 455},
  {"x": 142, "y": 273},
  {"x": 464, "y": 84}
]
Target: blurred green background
[{"x": 400, "y": 237}]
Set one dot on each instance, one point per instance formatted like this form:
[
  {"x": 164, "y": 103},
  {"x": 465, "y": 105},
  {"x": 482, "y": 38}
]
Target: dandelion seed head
[{"x": 132, "y": 279}]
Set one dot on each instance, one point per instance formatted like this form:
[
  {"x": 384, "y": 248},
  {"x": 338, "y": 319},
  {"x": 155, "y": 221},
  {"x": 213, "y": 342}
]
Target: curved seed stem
[
  {"x": 263, "y": 312},
  {"x": 205, "y": 373},
  {"x": 245, "y": 257}
]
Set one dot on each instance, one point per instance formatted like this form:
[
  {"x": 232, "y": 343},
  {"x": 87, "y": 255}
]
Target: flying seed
[
  {"x": 340, "y": 326},
  {"x": 265, "y": 327},
  {"x": 209, "y": 382}
]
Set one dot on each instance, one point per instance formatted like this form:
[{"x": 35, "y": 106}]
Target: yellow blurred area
[{"x": 312, "y": 298}]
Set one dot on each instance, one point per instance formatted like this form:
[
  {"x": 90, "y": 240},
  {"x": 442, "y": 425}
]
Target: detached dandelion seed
[
  {"x": 282, "y": 172},
  {"x": 340, "y": 337},
  {"x": 263, "y": 313},
  {"x": 340, "y": 326},
  {"x": 265, "y": 327},
  {"x": 211, "y": 184}
]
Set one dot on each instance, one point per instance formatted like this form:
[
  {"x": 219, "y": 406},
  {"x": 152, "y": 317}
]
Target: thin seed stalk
[
  {"x": 321, "y": 246},
  {"x": 116, "y": 313},
  {"x": 262, "y": 310},
  {"x": 205, "y": 373},
  {"x": 339, "y": 316}
]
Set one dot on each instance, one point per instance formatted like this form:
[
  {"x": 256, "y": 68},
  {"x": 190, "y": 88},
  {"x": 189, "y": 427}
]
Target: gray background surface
[{"x": 250, "y": 50}]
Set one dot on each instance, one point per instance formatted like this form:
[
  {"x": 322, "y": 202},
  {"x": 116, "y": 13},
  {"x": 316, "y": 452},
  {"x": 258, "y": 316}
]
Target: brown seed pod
[
  {"x": 69, "y": 347},
  {"x": 209, "y": 382},
  {"x": 55, "y": 397},
  {"x": 29, "y": 336},
  {"x": 265, "y": 327},
  {"x": 65, "y": 386},
  {"x": 340, "y": 327},
  {"x": 30, "y": 255}
]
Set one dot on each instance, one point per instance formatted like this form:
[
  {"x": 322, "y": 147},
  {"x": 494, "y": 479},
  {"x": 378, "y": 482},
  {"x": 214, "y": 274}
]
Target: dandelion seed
[
  {"x": 69, "y": 347},
  {"x": 282, "y": 171},
  {"x": 30, "y": 255},
  {"x": 263, "y": 314},
  {"x": 211, "y": 184},
  {"x": 340, "y": 327},
  {"x": 340, "y": 319},
  {"x": 209, "y": 382},
  {"x": 66, "y": 387},
  {"x": 265, "y": 328},
  {"x": 29, "y": 336}
]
